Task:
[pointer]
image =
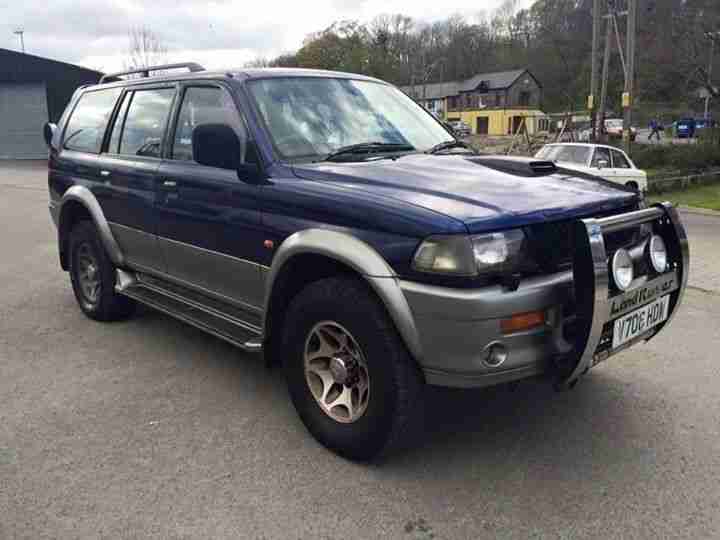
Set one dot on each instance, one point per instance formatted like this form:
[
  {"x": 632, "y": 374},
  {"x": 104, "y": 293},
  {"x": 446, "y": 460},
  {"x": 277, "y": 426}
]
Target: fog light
[
  {"x": 658, "y": 254},
  {"x": 622, "y": 269},
  {"x": 522, "y": 321},
  {"x": 495, "y": 354}
]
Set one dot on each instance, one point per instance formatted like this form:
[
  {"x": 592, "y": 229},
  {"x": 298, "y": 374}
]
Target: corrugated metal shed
[{"x": 34, "y": 90}]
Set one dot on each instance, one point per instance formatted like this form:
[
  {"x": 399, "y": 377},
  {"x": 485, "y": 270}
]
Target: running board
[{"x": 207, "y": 314}]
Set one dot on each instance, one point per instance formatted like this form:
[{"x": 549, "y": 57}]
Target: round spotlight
[
  {"x": 495, "y": 354},
  {"x": 622, "y": 269},
  {"x": 658, "y": 254}
]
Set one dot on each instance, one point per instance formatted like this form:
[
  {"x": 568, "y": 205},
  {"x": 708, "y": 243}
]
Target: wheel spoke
[
  {"x": 344, "y": 400},
  {"x": 325, "y": 350},
  {"x": 326, "y": 379}
]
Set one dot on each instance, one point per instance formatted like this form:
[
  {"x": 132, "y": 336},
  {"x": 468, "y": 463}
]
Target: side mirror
[
  {"x": 217, "y": 145},
  {"x": 602, "y": 163},
  {"x": 49, "y": 130}
]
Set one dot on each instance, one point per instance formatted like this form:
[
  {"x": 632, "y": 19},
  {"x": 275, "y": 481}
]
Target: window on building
[
  {"x": 205, "y": 105},
  {"x": 145, "y": 121},
  {"x": 86, "y": 128},
  {"x": 524, "y": 99},
  {"x": 498, "y": 99}
]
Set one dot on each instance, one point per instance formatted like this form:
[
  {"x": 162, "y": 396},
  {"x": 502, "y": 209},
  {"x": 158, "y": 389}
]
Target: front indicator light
[
  {"x": 657, "y": 253},
  {"x": 522, "y": 321},
  {"x": 622, "y": 269}
]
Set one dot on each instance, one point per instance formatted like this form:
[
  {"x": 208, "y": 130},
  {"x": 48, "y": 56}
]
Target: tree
[{"x": 145, "y": 49}]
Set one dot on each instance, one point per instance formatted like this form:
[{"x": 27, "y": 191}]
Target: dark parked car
[
  {"x": 686, "y": 127},
  {"x": 329, "y": 222}
]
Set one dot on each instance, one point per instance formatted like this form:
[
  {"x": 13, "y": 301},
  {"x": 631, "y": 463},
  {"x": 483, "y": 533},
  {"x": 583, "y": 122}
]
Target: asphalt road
[{"x": 149, "y": 428}]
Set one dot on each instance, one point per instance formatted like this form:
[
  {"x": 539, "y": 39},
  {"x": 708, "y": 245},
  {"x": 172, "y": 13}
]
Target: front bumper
[{"x": 455, "y": 326}]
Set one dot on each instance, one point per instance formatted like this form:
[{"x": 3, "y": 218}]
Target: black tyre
[
  {"x": 351, "y": 379},
  {"x": 93, "y": 276}
]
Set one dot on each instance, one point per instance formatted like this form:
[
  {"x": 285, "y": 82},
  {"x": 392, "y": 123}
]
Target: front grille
[{"x": 552, "y": 244}]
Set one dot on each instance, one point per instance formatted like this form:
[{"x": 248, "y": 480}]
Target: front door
[
  {"x": 483, "y": 125},
  {"x": 209, "y": 220}
]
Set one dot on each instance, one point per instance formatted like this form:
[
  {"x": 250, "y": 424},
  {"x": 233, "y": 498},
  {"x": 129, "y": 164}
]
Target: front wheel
[{"x": 350, "y": 377}]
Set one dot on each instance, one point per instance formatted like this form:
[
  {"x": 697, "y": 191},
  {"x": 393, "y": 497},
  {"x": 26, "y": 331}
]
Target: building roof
[
  {"x": 22, "y": 67},
  {"x": 498, "y": 80}
]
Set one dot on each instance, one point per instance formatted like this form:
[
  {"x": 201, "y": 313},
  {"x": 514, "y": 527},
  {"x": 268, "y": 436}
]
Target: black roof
[{"x": 22, "y": 67}]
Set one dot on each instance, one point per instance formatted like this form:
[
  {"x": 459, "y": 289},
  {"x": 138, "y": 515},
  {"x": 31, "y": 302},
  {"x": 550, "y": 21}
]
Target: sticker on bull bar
[{"x": 626, "y": 302}]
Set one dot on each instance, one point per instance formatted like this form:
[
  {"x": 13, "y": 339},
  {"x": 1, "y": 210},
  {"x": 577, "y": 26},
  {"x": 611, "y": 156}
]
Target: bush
[{"x": 682, "y": 157}]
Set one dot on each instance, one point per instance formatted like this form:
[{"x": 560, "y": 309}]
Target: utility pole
[
  {"x": 627, "y": 99},
  {"x": 712, "y": 36},
  {"x": 606, "y": 68},
  {"x": 20, "y": 33},
  {"x": 592, "y": 98}
]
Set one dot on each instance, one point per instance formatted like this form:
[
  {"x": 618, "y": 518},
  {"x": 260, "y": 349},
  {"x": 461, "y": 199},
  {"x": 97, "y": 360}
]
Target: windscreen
[
  {"x": 576, "y": 155},
  {"x": 310, "y": 117}
]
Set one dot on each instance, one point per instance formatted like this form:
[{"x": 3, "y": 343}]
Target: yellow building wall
[{"x": 498, "y": 119}]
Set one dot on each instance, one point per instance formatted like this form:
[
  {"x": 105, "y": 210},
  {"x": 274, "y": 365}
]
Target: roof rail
[{"x": 192, "y": 66}]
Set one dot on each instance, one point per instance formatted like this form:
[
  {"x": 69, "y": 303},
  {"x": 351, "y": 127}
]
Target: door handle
[
  {"x": 104, "y": 174},
  {"x": 169, "y": 184}
]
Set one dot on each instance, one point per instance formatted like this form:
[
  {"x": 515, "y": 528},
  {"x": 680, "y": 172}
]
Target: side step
[{"x": 212, "y": 316}]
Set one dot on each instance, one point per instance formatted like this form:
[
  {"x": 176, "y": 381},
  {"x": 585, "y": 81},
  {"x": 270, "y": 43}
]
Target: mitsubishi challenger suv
[{"x": 329, "y": 222}]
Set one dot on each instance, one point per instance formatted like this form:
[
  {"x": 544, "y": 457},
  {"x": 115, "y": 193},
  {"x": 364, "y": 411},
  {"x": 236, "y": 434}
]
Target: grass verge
[{"x": 707, "y": 196}]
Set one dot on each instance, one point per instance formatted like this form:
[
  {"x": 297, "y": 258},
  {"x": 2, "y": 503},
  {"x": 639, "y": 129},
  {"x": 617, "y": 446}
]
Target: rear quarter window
[{"x": 86, "y": 127}]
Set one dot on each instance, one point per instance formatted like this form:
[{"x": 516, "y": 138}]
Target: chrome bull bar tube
[{"x": 593, "y": 291}]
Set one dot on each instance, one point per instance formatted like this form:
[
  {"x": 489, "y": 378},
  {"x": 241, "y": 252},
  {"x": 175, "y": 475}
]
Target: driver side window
[
  {"x": 203, "y": 105},
  {"x": 601, "y": 154}
]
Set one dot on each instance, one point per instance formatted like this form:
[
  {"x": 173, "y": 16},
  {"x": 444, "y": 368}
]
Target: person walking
[{"x": 655, "y": 129}]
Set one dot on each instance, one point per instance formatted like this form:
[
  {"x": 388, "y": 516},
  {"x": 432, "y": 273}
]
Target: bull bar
[{"x": 597, "y": 299}]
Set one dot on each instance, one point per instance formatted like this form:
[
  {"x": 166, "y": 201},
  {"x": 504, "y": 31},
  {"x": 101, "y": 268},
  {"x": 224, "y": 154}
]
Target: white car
[{"x": 600, "y": 160}]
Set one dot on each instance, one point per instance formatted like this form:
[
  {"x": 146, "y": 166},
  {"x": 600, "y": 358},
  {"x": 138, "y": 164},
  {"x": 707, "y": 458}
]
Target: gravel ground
[{"x": 151, "y": 429}]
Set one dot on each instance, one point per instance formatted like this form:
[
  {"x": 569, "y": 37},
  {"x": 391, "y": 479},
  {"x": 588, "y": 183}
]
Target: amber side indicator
[{"x": 522, "y": 321}]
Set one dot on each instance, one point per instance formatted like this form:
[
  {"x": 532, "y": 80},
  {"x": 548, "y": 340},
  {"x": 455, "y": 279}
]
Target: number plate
[{"x": 639, "y": 321}]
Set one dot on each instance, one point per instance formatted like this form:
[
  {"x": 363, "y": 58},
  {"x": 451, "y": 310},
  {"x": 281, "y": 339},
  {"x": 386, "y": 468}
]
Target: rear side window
[
  {"x": 86, "y": 127},
  {"x": 144, "y": 123}
]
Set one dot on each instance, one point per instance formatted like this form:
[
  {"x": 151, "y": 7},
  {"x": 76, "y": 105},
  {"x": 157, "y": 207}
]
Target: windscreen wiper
[
  {"x": 368, "y": 148},
  {"x": 448, "y": 145}
]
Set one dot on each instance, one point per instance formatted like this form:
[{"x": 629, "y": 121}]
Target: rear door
[
  {"x": 129, "y": 169},
  {"x": 209, "y": 220}
]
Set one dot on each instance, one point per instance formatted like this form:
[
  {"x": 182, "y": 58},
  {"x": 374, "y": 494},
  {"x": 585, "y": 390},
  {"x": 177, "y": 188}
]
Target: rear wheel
[
  {"x": 633, "y": 185},
  {"x": 353, "y": 383},
  {"x": 93, "y": 276}
]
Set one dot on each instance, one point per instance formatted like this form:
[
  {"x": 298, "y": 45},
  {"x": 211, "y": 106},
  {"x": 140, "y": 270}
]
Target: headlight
[
  {"x": 469, "y": 255},
  {"x": 622, "y": 269},
  {"x": 658, "y": 254}
]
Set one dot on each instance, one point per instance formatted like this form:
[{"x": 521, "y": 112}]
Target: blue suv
[{"x": 329, "y": 222}]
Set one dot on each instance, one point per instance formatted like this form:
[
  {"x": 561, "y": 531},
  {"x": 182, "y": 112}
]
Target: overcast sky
[{"x": 223, "y": 33}]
